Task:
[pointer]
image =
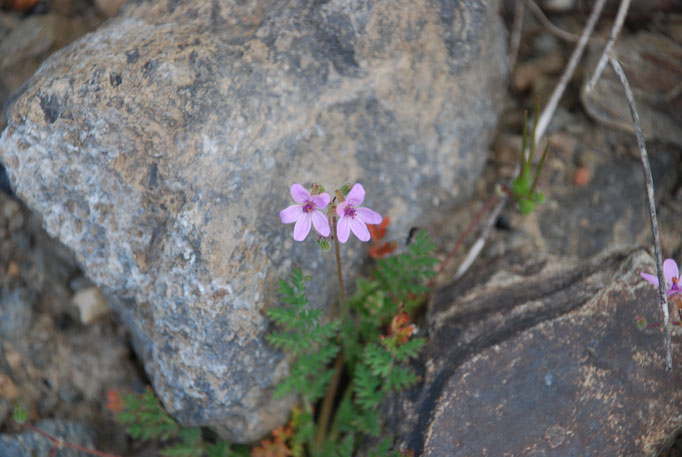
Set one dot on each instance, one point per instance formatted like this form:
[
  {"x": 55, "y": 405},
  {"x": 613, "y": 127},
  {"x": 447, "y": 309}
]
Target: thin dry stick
[
  {"x": 553, "y": 29},
  {"x": 662, "y": 296},
  {"x": 462, "y": 237},
  {"x": 515, "y": 39},
  {"x": 615, "y": 31},
  {"x": 480, "y": 242},
  {"x": 548, "y": 112}
]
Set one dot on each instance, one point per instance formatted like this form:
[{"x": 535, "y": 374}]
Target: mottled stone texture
[
  {"x": 542, "y": 357},
  {"x": 160, "y": 148},
  {"x": 32, "y": 443}
]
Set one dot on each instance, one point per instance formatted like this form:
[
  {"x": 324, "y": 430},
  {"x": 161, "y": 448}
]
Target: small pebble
[
  {"x": 8, "y": 389},
  {"x": 13, "y": 270},
  {"x": 91, "y": 304},
  {"x": 581, "y": 177}
]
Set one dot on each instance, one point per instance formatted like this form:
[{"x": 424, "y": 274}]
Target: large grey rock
[
  {"x": 161, "y": 147},
  {"x": 541, "y": 356}
]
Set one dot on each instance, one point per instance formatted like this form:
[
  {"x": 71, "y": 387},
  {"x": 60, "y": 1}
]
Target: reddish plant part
[
  {"x": 275, "y": 447},
  {"x": 114, "y": 402},
  {"x": 381, "y": 249},
  {"x": 400, "y": 330}
]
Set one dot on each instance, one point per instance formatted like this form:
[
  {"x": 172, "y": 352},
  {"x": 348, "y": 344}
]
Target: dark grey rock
[
  {"x": 31, "y": 443},
  {"x": 540, "y": 356},
  {"x": 161, "y": 147}
]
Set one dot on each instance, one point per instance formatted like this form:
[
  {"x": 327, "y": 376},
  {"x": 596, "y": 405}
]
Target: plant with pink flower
[
  {"x": 671, "y": 274},
  {"x": 308, "y": 210},
  {"x": 673, "y": 285},
  {"x": 353, "y": 217}
]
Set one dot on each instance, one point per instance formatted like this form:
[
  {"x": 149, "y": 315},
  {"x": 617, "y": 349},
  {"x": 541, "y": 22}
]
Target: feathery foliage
[
  {"x": 145, "y": 419},
  {"x": 306, "y": 338},
  {"x": 375, "y": 364}
]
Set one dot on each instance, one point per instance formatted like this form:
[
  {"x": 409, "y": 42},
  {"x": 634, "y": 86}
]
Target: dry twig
[
  {"x": 553, "y": 29},
  {"x": 662, "y": 296},
  {"x": 480, "y": 242},
  {"x": 615, "y": 31},
  {"x": 548, "y": 112},
  {"x": 515, "y": 38}
]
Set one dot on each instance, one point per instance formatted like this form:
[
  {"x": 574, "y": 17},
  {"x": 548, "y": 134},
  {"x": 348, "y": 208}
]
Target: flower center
[
  {"x": 308, "y": 207},
  {"x": 349, "y": 211}
]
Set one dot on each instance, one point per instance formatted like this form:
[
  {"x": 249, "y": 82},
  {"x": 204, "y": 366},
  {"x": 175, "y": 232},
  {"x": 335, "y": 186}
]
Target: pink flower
[
  {"x": 308, "y": 211},
  {"x": 355, "y": 218},
  {"x": 672, "y": 278}
]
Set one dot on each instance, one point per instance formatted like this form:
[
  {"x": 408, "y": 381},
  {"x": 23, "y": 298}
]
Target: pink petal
[
  {"x": 650, "y": 278},
  {"x": 299, "y": 193},
  {"x": 670, "y": 271},
  {"x": 367, "y": 215},
  {"x": 356, "y": 195},
  {"x": 359, "y": 229},
  {"x": 341, "y": 208},
  {"x": 321, "y": 201},
  {"x": 302, "y": 227},
  {"x": 321, "y": 223},
  {"x": 343, "y": 229},
  {"x": 291, "y": 214}
]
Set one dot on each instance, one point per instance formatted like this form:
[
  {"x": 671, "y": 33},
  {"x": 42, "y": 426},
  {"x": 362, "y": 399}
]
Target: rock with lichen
[{"x": 161, "y": 147}]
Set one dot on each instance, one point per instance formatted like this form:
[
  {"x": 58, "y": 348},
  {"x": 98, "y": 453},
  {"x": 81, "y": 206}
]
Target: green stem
[
  {"x": 342, "y": 296},
  {"x": 328, "y": 401}
]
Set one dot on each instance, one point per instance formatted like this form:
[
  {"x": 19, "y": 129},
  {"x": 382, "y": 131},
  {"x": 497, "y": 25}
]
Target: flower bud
[
  {"x": 324, "y": 244},
  {"x": 344, "y": 189},
  {"x": 317, "y": 189}
]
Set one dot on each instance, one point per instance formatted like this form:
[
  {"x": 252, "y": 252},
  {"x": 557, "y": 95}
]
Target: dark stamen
[{"x": 308, "y": 207}]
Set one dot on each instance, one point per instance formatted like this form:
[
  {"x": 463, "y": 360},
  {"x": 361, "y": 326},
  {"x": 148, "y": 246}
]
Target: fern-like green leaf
[
  {"x": 182, "y": 450},
  {"x": 379, "y": 360},
  {"x": 367, "y": 388},
  {"x": 400, "y": 378},
  {"x": 409, "y": 349}
]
